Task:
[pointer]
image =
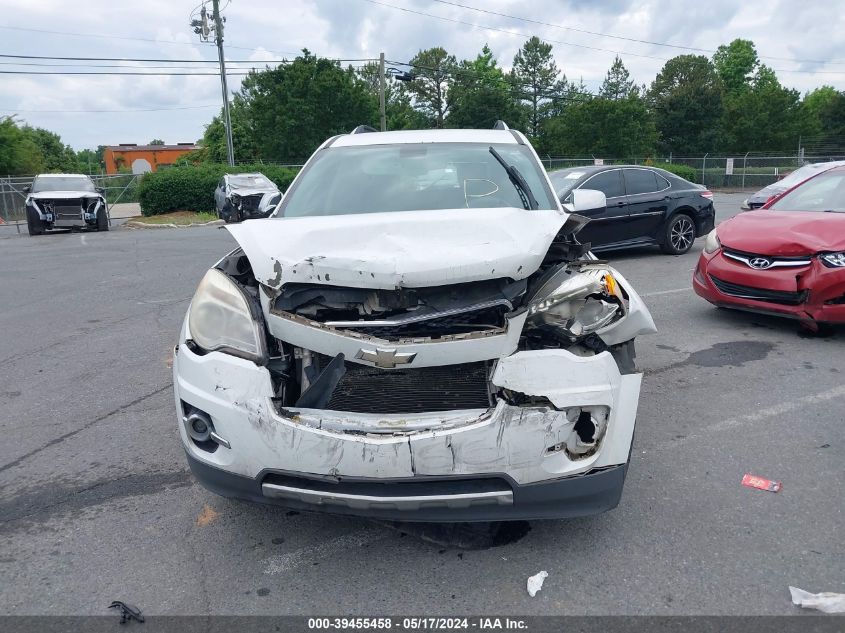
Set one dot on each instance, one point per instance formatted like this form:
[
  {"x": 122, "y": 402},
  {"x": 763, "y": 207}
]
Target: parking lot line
[{"x": 666, "y": 292}]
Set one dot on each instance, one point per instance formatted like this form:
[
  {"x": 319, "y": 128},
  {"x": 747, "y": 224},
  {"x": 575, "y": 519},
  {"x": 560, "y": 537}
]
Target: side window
[
  {"x": 608, "y": 182},
  {"x": 662, "y": 183},
  {"x": 222, "y": 183},
  {"x": 640, "y": 181}
]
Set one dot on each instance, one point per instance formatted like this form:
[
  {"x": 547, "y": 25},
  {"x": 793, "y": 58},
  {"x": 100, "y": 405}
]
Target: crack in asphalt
[{"x": 70, "y": 434}]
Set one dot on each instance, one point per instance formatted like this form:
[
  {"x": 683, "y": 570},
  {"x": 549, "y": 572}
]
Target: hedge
[
  {"x": 191, "y": 188},
  {"x": 684, "y": 171}
]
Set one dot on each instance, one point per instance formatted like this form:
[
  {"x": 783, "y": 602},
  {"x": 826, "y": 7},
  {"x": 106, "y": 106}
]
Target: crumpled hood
[
  {"x": 389, "y": 250},
  {"x": 784, "y": 233},
  {"x": 63, "y": 195}
]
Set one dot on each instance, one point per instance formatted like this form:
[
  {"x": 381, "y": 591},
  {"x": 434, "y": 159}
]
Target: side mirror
[
  {"x": 588, "y": 201},
  {"x": 27, "y": 189},
  {"x": 101, "y": 191}
]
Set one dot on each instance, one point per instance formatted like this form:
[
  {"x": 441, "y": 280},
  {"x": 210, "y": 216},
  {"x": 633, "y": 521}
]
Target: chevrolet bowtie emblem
[{"x": 386, "y": 358}]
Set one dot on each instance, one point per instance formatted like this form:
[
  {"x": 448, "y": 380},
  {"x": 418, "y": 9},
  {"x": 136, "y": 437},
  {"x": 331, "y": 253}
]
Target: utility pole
[
  {"x": 218, "y": 37},
  {"x": 381, "y": 89},
  {"x": 202, "y": 29}
]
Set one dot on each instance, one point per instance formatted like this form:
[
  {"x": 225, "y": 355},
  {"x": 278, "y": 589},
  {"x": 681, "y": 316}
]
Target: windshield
[
  {"x": 825, "y": 192},
  {"x": 413, "y": 177},
  {"x": 257, "y": 181},
  {"x": 62, "y": 183},
  {"x": 564, "y": 180}
]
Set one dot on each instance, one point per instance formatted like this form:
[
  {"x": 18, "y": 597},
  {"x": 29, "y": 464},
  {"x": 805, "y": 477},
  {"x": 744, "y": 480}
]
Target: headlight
[
  {"x": 220, "y": 319},
  {"x": 577, "y": 304},
  {"x": 711, "y": 242},
  {"x": 834, "y": 260}
]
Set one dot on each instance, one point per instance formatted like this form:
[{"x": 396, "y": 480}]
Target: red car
[{"x": 787, "y": 258}]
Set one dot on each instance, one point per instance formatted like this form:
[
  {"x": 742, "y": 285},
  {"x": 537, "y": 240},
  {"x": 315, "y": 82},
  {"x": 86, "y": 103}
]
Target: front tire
[
  {"x": 678, "y": 235},
  {"x": 103, "y": 220},
  {"x": 33, "y": 223}
]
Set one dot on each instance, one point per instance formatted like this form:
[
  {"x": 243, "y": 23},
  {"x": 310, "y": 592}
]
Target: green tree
[
  {"x": 763, "y": 117},
  {"x": 156, "y": 141},
  {"x": 399, "y": 111},
  {"x": 285, "y": 113},
  {"x": 91, "y": 160},
  {"x": 19, "y": 154},
  {"x": 622, "y": 128},
  {"x": 618, "y": 83},
  {"x": 535, "y": 74},
  {"x": 483, "y": 94},
  {"x": 686, "y": 99},
  {"x": 736, "y": 63},
  {"x": 814, "y": 105},
  {"x": 58, "y": 157},
  {"x": 433, "y": 70}
]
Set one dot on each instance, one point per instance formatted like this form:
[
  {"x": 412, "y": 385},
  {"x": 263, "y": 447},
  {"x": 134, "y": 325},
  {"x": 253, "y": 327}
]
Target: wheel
[
  {"x": 33, "y": 222},
  {"x": 678, "y": 234},
  {"x": 103, "y": 220}
]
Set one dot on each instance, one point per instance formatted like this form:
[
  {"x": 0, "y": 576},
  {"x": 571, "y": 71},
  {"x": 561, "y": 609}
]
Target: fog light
[{"x": 199, "y": 426}]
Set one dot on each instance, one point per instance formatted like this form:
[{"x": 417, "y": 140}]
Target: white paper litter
[
  {"x": 825, "y": 602},
  {"x": 535, "y": 582}
]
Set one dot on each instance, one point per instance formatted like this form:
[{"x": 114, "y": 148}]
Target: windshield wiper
[{"x": 519, "y": 182}]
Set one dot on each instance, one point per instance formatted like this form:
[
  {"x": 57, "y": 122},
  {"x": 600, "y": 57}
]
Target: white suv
[{"x": 414, "y": 334}]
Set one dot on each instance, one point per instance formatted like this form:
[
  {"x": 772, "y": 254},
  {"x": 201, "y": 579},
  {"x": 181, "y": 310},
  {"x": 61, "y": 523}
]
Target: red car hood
[{"x": 784, "y": 233}]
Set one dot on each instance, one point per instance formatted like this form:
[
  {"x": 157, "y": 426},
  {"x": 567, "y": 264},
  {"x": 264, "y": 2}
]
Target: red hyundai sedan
[{"x": 787, "y": 258}]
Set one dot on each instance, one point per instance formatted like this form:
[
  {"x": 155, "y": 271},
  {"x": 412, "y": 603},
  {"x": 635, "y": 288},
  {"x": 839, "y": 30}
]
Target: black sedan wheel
[{"x": 679, "y": 235}]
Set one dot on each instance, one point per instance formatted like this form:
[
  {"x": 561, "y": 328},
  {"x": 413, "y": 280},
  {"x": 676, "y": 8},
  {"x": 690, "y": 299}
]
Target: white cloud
[{"x": 263, "y": 30}]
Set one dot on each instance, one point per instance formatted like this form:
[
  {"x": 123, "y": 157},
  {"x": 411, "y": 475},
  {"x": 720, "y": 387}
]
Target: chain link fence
[
  {"x": 741, "y": 172},
  {"x": 119, "y": 188}
]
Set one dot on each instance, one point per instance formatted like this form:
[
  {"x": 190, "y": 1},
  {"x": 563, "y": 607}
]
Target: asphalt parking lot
[{"x": 97, "y": 504}]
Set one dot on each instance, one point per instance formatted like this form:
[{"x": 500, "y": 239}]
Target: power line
[
  {"x": 594, "y": 48},
  {"x": 621, "y": 37},
  {"x": 96, "y": 72},
  {"x": 199, "y": 107},
  {"x": 135, "y": 39},
  {"x": 174, "y": 61}
]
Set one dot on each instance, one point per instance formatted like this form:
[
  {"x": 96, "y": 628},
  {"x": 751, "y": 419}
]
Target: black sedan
[{"x": 645, "y": 205}]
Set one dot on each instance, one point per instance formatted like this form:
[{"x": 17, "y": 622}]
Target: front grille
[
  {"x": 65, "y": 211},
  {"x": 373, "y": 390},
  {"x": 250, "y": 203},
  {"x": 759, "y": 294},
  {"x": 490, "y": 319}
]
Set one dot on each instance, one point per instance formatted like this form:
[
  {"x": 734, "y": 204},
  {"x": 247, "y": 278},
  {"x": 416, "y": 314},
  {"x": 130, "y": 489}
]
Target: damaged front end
[
  {"x": 491, "y": 399},
  {"x": 65, "y": 211}
]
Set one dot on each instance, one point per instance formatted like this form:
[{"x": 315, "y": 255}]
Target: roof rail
[
  {"x": 500, "y": 125},
  {"x": 363, "y": 128}
]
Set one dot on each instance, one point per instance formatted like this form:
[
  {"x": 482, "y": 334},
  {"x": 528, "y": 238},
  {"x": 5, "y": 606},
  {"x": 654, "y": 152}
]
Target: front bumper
[
  {"x": 821, "y": 289},
  {"x": 505, "y": 462}
]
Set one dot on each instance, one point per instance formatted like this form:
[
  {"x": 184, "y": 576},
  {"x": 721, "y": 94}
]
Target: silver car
[
  {"x": 242, "y": 196},
  {"x": 69, "y": 201}
]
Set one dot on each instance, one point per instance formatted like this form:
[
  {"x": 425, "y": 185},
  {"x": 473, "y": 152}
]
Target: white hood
[{"x": 389, "y": 250}]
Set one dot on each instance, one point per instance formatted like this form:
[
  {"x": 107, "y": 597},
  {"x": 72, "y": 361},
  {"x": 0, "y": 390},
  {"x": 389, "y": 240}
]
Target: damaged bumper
[{"x": 563, "y": 454}]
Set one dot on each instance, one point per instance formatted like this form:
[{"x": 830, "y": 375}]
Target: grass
[{"x": 177, "y": 217}]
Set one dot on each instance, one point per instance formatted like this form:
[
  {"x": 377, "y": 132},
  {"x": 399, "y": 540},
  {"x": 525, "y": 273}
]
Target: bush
[
  {"x": 684, "y": 171},
  {"x": 191, "y": 187}
]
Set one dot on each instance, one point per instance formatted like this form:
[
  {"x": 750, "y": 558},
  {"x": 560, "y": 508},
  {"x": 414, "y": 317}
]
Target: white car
[
  {"x": 240, "y": 197},
  {"x": 65, "y": 201},
  {"x": 401, "y": 344}
]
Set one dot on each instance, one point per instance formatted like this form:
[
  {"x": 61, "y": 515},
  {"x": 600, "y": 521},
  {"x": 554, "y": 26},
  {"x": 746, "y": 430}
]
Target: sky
[{"x": 804, "y": 42}]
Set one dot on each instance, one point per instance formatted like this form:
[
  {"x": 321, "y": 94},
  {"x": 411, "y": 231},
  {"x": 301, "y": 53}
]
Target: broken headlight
[
  {"x": 577, "y": 303},
  {"x": 220, "y": 318}
]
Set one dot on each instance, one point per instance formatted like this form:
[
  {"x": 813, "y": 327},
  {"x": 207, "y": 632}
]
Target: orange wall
[{"x": 154, "y": 157}]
